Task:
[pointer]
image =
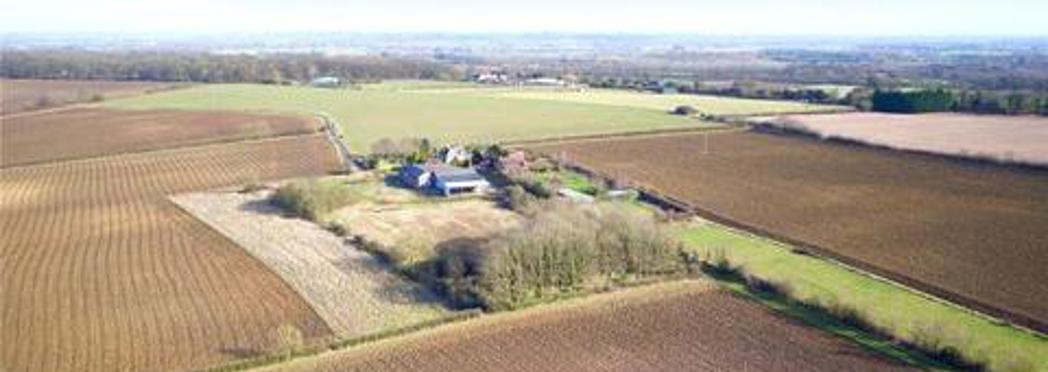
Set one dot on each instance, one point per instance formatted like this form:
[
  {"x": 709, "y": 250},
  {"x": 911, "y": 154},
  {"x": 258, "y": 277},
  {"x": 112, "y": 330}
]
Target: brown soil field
[
  {"x": 102, "y": 272},
  {"x": 970, "y": 232},
  {"x": 79, "y": 132},
  {"x": 27, "y": 95},
  {"x": 680, "y": 326},
  {"x": 1019, "y": 139}
]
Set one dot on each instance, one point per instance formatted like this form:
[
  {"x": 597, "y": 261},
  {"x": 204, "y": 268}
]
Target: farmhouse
[{"x": 446, "y": 179}]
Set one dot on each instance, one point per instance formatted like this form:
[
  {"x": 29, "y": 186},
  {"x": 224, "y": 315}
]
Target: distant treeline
[
  {"x": 941, "y": 100},
  {"x": 212, "y": 68},
  {"x": 861, "y": 97}
]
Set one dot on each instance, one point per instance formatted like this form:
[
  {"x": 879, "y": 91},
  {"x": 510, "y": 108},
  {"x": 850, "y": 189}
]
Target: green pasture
[
  {"x": 418, "y": 110},
  {"x": 903, "y": 312},
  {"x": 712, "y": 105}
]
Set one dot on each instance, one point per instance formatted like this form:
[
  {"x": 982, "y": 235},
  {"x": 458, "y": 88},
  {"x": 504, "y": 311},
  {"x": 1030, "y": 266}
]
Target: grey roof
[{"x": 457, "y": 174}]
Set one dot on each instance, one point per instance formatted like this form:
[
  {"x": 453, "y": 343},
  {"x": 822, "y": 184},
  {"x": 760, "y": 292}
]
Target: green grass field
[
  {"x": 903, "y": 312},
  {"x": 660, "y": 102},
  {"x": 372, "y": 113}
]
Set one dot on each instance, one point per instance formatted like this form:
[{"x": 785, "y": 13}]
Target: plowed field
[
  {"x": 78, "y": 132},
  {"x": 101, "y": 272},
  {"x": 684, "y": 326},
  {"x": 973, "y": 233},
  {"x": 1000, "y": 138},
  {"x": 25, "y": 95}
]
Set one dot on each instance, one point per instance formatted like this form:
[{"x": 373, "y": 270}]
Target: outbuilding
[{"x": 445, "y": 179}]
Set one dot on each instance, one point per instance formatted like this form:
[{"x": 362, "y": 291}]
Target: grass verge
[{"x": 913, "y": 319}]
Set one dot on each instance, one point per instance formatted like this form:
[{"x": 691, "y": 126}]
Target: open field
[
  {"x": 446, "y": 115},
  {"x": 969, "y": 232},
  {"x": 713, "y": 105},
  {"x": 904, "y": 313},
  {"x": 351, "y": 290},
  {"x": 426, "y": 223},
  {"x": 82, "y": 132},
  {"x": 101, "y": 272},
  {"x": 26, "y": 95},
  {"x": 997, "y": 138},
  {"x": 676, "y": 326}
]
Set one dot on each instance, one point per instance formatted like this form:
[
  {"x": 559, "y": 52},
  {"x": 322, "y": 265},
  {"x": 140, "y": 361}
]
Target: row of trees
[
  {"x": 212, "y": 68},
  {"x": 941, "y": 100},
  {"x": 862, "y": 98}
]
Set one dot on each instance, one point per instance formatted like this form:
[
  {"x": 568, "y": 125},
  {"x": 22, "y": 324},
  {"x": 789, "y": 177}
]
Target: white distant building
[
  {"x": 326, "y": 82},
  {"x": 545, "y": 82}
]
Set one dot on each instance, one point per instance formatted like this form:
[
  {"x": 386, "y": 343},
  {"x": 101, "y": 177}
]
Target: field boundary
[
  {"x": 719, "y": 127},
  {"x": 342, "y": 344},
  {"x": 987, "y": 311},
  {"x": 334, "y": 135},
  {"x": 186, "y": 146}
]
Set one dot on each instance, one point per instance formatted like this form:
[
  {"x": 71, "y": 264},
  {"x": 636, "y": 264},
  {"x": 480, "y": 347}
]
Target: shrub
[
  {"x": 515, "y": 198},
  {"x": 718, "y": 264},
  {"x": 311, "y": 199},
  {"x": 931, "y": 339},
  {"x": 536, "y": 187},
  {"x": 768, "y": 287},
  {"x": 685, "y": 110},
  {"x": 288, "y": 339},
  {"x": 337, "y": 228},
  {"x": 252, "y": 187}
]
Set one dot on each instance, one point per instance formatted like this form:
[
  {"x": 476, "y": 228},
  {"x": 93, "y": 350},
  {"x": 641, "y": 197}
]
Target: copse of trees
[
  {"x": 941, "y": 100},
  {"x": 212, "y": 68},
  {"x": 562, "y": 249},
  {"x": 912, "y": 102}
]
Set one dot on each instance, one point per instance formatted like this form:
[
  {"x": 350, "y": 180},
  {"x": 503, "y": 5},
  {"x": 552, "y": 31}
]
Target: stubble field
[
  {"x": 86, "y": 132},
  {"x": 970, "y": 232},
  {"x": 101, "y": 272},
  {"x": 681, "y": 326},
  {"x": 1019, "y": 139}
]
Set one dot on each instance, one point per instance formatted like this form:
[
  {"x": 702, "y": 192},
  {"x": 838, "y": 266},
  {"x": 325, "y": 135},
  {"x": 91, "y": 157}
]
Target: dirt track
[
  {"x": 101, "y": 272},
  {"x": 79, "y": 133},
  {"x": 683, "y": 326},
  {"x": 971, "y": 232}
]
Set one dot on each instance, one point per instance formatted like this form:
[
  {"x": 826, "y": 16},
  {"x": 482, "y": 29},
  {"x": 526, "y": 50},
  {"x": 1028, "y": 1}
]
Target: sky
[{"x": 723, "y": 17}]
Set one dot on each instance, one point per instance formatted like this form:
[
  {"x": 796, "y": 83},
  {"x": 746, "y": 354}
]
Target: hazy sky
[{"x": 725, "y": 17}]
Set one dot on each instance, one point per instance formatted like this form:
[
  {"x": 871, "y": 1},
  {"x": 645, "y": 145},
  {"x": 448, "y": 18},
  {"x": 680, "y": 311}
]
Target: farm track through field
[
  {"x": 83, "y": 132},
  {"x": 101, "y": 272},
  {"x": 971, "y": 233},
  {"x": 680, "y": 326}
]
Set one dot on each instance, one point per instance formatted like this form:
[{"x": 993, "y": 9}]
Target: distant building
[
  {"x": 443, "y": 178},
  {"x": 546, "y": 82},
  {"x": 491, "y": 78},
  {"x": 456, "y": 155},
  {"x": 326, "y": 82}
]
